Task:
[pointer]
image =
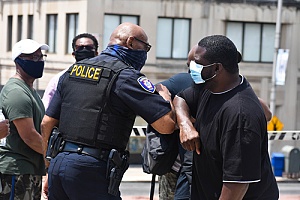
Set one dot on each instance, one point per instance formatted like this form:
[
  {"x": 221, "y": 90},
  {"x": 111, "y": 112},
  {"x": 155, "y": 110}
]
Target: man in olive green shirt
[{"x": 21, "y": 158}]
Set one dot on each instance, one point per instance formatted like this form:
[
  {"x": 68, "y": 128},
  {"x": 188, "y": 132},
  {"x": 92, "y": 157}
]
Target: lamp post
[{"x": 276, "y": 47}]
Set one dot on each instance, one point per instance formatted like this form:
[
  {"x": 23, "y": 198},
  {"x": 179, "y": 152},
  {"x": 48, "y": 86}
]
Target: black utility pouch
[{"x": 55, "y": 144}]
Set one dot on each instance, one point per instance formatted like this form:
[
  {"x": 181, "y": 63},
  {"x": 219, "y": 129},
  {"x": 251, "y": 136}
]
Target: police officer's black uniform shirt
[
  {"x": 128, "y": 95},
  {"x": 233, "y": 136}
]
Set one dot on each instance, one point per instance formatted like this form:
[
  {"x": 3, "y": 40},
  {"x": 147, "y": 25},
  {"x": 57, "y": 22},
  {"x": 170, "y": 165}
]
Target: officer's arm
[
  {"x": 46, "y": 127},
  {"x": 165, "y": 124},
  {"x": 233, "y": 191},
  {"x": 28, "y": 133}
]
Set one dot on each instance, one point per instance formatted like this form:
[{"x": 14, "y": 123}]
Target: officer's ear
[
  {"x": 73, "y": 54},
  {"x": 129, "y": 42}
]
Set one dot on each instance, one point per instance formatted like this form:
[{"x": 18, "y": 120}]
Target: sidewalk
[
  {"x": 287, "y": 180},
  {"x": 135, "y": 174}
]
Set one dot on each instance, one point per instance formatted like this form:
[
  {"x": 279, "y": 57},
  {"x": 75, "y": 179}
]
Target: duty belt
[{"x": 101, "y": 154}]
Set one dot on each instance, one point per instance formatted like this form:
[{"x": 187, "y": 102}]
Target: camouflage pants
[
  {"x": 167, "y": 186},
  {"x": 26, "y": 187}
]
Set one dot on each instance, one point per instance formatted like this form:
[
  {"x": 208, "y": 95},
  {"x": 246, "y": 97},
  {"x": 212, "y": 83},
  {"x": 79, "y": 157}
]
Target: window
[
  {"x": 30, "y": 27},
  {"x": 254, "y": 40},
  {"x": 112, "y": 21},
  {"x": 173, "y": 38},
  {"x": 72, "y": 30},
  {"x": 9, "y": 32},
  {"x": 20, "y": 22},
  {"x": 52, "y": 32}
]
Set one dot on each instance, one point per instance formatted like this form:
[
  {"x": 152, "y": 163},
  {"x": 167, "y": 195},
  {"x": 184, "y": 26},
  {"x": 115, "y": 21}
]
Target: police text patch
[
  {"x": 85, "y": 72},
  {"x": 146, "y": 84}
]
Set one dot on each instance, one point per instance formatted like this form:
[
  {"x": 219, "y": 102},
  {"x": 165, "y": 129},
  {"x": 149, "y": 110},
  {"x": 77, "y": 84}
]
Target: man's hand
[
  {"x": 189, "y": 137},
  {"x": 4, "y": 128}
]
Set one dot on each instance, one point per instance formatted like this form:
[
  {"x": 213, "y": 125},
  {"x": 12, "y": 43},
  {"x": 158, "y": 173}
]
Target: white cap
[{"x": 26, "y": 46}]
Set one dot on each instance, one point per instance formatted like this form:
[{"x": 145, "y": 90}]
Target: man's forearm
[
  {"x": 189, "y": 137},
  {"x": 35, "y": 141},
  {"x": 182, "y": 113},
  {"x": 233, "y": 191}
]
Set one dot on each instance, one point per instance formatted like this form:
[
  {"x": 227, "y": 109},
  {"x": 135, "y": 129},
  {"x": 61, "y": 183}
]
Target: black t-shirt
[{"x": 234, "y": 143}]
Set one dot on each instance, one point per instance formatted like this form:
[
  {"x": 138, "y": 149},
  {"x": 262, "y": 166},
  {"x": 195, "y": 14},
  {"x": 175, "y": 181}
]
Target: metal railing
[{"x": 273, "y": 135}]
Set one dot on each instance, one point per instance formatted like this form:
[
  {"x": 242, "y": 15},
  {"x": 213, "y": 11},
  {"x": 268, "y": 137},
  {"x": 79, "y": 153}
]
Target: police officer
[
  {"x": 95, "y": 105},
  {"x": 84, "y": 45}
]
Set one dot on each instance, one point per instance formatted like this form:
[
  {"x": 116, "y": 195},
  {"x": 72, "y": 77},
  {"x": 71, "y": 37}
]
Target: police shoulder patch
[{"x": 146, "y": 84}]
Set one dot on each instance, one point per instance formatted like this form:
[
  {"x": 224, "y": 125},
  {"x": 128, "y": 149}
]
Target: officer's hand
[
  {"x": 193, "y": 120},
  {"x": 45, "y": 188},
  {"x": 163, "y": 91}
]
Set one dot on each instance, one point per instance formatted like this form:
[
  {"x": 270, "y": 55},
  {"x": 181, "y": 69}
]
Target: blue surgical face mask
[
  {"x": 196, "y": 70},
  {"x": 32, "y": 68}
]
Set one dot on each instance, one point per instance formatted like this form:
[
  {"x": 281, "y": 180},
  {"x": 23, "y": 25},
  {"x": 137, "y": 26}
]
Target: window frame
[
  {"x": 30, "y": 26},
  {"x": 69, "y": 38},
  {"x": 19, "y": 27},
  {"x": 261, "y": 42},
  {"x": 52, "y": 45},
  {"x": 120, "y": 16},
  {"x": 9, "y": 32},
  {"x": 172, "y": 38}
]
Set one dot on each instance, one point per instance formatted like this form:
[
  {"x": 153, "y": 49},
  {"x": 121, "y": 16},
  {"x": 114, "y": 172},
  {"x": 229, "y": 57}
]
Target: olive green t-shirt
[{"x": 18, "y": 100}]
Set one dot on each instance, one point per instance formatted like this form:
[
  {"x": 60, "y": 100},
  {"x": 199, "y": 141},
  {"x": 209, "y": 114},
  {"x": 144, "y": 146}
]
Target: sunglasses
[
  {"x": 34, "y": 58},
  {"x": 87, "y": 47},
  {"x": 148, "y": 46}
]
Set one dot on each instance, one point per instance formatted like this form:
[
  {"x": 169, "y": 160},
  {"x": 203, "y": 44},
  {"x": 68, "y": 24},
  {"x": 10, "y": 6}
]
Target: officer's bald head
[{"x": 125, "y": 33}]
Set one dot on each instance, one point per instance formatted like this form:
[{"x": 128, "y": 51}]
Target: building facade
[{"x": 173, "y": 27}]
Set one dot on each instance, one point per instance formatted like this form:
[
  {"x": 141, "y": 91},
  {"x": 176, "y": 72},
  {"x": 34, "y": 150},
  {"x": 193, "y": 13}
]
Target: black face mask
[
  {"x": 135, "y": 58},
  {"x": 83, "y": 54},
  {"x": 32, "y": 68}
]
